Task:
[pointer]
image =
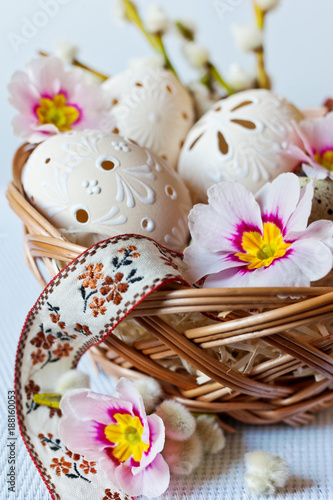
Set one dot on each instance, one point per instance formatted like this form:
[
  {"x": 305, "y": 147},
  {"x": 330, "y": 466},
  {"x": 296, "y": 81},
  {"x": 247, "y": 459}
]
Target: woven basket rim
[{"x": 285, "y": 309}]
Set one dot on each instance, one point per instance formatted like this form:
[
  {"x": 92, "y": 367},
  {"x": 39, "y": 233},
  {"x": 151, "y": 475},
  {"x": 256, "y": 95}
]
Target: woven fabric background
[{"x": 309, "y": 450}]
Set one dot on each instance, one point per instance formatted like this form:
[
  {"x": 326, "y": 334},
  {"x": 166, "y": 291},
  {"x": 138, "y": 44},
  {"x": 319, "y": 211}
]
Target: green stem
[
  {"x": 82, "y": 66},
  {"x": 263, "y": 78},
  {"x": 214, "y": 73},
  {"x": 162, "y": 50},
  {"x": 155, "y": 40},
  {"x": 87, "y": 68},
  {"x": 132, "y": 15}
]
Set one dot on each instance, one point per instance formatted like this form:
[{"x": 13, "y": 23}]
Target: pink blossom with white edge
[
  {"x": 51, "y": 100},
  {"x": 317, "y": 152},
  {"x": 116, "y": 432},
  {"x": 242, "y": 240}
]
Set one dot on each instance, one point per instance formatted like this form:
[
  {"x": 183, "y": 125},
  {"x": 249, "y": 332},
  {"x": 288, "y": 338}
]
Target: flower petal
[
  {"x": 201, "y": 262},
  {"x": 318, "y": 230},
  {"x": 215, "y": 226},
  {"x": 157, "y": 439},
  {"x": 23, "y": 94},
  {"x": 282, "y": 272},
  {"x": 313, "y": 258},
  {"x": 319, "y": 132},
  {"x": 316, "y": 171},
  {"x": 46, "y": 73},
  {"x": 86, "y": 405},
  {"x": 299, "y": 219},
  {"x": 279, "y": 199},
  {"x": 128, "y": 392},
  {"x": 84, "y": 437},
  {"x": 151, "y": 481}
]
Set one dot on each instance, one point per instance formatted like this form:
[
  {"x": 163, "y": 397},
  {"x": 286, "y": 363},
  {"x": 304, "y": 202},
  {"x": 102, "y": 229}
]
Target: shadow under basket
[{"x": 260, "y": 355}]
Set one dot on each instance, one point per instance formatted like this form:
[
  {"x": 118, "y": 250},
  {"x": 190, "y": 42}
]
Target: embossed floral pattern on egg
[
  {"x": 153, "y": 108},
  {"x": 93, "y": 186},
  {"x": 240, "y": 138}
]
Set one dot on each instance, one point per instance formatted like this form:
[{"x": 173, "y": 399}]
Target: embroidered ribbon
[{"x": 78, "y": 309}]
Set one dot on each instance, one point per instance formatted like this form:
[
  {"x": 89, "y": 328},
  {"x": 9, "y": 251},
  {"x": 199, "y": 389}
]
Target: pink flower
[
  {"x": 117, "y": 433},
  {"x": 244, "y": 240},
  {"x": 317, "y": 139},
  {"x": 51, "y": 100}
]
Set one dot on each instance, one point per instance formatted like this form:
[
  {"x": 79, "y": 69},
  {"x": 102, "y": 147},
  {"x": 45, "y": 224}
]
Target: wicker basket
[{"x": 296, "y": 378}]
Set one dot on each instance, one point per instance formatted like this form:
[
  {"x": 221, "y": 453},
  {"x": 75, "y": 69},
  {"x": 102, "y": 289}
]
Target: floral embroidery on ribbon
[
  {"x": 112, "y": 287},
  {"x": 71, "y": 467}
]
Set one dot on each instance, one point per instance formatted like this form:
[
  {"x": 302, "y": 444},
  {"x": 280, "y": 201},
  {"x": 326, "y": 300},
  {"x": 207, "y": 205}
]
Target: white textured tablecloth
[{"x": 309, "y": 450}]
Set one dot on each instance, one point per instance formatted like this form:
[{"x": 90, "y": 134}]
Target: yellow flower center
[
  {"x": 57, "y": 112},
  {"x": 126, "y": 434},
  {"x": 261, "y": 251},
  {"x": 325, "y": 160}
]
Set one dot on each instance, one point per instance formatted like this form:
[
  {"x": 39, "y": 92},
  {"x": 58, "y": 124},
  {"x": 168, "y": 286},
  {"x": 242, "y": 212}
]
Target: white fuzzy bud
[
  {"x": 265, "y": 472},
  {"x": 65, "y": 50},
  {"x": 210, "y": 433},
  {"x": 247, "y": 38},
  {"x": 73, "y": 379},
  {"x": 267, "y": 5},
  {"x": 196, "y": 54},
  {"x": 151, "y": 392},
  {"x": 156, "y": 21},
  {"x": 153, "y": 61},
  {"x": 183, "y": 456},
  {"x": 179, "y": 422},
  {"x": 118, "y": 13},
  {"x": 238, "y": 78}
]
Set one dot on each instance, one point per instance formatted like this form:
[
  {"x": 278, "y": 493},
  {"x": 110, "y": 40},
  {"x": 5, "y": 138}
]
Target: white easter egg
[
  {"x": 241, "y": 138},
  {"x": 153, "y": 108},
  {"x": 93, "y": 186}
]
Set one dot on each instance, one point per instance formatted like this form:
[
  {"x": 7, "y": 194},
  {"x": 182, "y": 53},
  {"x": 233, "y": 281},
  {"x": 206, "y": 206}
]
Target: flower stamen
[
  {"x": 325, "y": 159},
  {"x": 126, "y": 434},
  {"x": 262, "y": 250},
  {"x": 57, "y": 111}
]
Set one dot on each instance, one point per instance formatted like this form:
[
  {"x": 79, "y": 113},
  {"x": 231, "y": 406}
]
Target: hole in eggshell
[
  {"x": 82, "y": 216},
  {"x": 169, "y": 89},
  {"x": 170, "y": 191},
  {"x": 147, "y": 224},
  {"x": 47, "y": 160},
  {"x": 107, "y": 165},
  {"x": 223, "y": 145},
  {"x": 139, "y": 84},
  {"x": 195, "y": 141},
  {"x": 241, "y": 105},
  {"x": 115, "y": 130},
  {"x": 245, "y": 124}
]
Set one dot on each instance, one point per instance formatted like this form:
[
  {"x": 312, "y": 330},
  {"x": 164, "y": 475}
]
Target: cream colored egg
[
  {"x": 240, "y": 138},
  {"x": 153, "y": 108},
  {"x": 93, "y": 186}
]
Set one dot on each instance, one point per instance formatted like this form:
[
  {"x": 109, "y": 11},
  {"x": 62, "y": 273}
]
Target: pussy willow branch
[
  {"x": 155, "y": 40},
  {"x": 79, "y": 64},
  {"x": 263, "y": 78}
]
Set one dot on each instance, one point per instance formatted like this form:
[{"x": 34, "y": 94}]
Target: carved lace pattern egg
[
  {"x": 151, "y": 107},
  {"x": 240, "y": 138},
  {"x": 94, "y": 186}
]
